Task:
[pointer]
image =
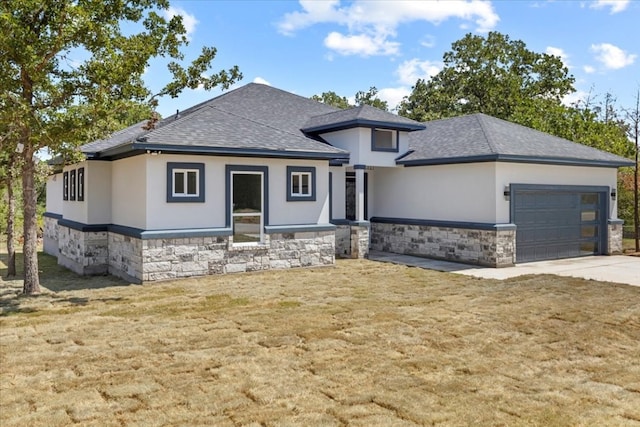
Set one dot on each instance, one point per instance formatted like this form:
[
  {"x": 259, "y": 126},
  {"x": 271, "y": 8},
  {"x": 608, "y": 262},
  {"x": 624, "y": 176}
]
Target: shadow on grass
[{"x": 53, "y": 278}]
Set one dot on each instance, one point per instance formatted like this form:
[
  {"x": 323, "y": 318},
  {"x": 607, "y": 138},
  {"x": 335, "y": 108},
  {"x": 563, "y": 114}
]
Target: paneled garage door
[{"x": 558, "y": 221}]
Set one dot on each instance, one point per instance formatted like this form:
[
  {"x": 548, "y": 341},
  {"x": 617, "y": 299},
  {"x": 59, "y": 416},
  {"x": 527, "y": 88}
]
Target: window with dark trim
[
  {"x": 81, "y": 185},
  {"x": 72, "y": 185},
  {"x": 185, "y": 182},
  {"x": 65, "y": 186},
  {"x": 301, "y": 183},
  {"x": 384, "y": 140}
]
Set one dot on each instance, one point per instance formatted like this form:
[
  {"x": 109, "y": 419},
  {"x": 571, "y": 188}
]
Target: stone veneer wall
[
  {"x": 50, "y": 236},
  {"x": 494, "y": 248},
  {"x": 615, "y": 237},
  {"x": 125, "y": 257},
  {"x": 162, "y": 259},
  {"x": 84, "y": 252}
]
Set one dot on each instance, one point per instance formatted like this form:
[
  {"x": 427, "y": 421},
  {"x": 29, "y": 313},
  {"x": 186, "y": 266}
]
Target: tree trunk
[
  {"x": 30, "y": 249},
  {"x": 635, "y": 198},
  {"x": 11, "y": 216}
]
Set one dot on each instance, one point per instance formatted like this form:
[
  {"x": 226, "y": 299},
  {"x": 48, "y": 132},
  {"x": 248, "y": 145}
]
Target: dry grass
[{"x": 360, "y": 344}]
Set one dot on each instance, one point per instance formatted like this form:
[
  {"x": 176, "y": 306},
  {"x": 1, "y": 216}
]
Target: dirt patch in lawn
[{"x": 363, "y": 343}]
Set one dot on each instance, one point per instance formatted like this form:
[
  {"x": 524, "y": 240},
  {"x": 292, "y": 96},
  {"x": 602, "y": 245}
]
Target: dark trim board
[
  {"x": 52, "y": 215},
  {"x": 304, "y": 198},
  {"x": 443, "y": 224},
  {"x": 171, "y": 166},
  {"x": 512, "y": 159}
]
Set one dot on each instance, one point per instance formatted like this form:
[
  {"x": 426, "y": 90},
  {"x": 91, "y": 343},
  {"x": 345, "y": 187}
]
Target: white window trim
[
  {"x": 185, "y": 172},
  {"x": 309, "y": 184}
]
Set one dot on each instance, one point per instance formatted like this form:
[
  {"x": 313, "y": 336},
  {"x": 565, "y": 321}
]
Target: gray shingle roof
[
  {"x": 479, "y": 137},
  {"x": 364, "y": 115},
  {"x": 254, "y": 117}
]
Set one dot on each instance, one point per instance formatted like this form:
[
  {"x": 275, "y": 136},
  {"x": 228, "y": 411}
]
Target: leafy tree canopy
[
  {"x": 369, "y": 97},
  {"x": 491, "y": 75},
  {"x": 67, "y": 64}
]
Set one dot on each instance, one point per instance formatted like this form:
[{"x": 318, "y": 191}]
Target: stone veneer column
[
  {"x": 615, "y": 236},
  {"x": 360, "y": 240}
]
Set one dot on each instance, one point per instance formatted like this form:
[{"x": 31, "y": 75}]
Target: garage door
[{"x": 558, "y": 222}]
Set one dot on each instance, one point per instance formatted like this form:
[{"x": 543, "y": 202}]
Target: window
[
  {"x": 247, "y": 198},
  {"x": 384, "y": 140},
  {"x": 185, "y": 182},
  {"x": 65, "y": 186},
  {"x": 81, "y": 185},
  {"x": 72, "y": 185},
  {"x": 301, "y": 183}
]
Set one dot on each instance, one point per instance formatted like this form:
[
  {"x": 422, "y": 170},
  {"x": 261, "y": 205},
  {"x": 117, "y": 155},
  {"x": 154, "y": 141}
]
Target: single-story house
[{"x": 259, "y": 178}]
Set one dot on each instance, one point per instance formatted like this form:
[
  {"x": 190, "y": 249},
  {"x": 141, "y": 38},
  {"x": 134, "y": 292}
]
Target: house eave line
[
  {"x": 510, "y": 158},
  {"x": 364, "y": 123},
  {"x": 243, "y": 152}
]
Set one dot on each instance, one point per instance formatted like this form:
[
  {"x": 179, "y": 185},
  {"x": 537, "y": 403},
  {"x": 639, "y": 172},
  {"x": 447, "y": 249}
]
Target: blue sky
[{"x": 310, "y": 47}]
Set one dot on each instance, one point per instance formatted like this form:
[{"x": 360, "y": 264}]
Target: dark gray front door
[{"x": 558, "y": 222}]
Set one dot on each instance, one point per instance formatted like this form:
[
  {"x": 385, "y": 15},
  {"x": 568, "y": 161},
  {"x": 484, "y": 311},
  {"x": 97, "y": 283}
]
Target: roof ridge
[
  {"x": 260, "y": 123},
  {"x": 492, "y": 145}
]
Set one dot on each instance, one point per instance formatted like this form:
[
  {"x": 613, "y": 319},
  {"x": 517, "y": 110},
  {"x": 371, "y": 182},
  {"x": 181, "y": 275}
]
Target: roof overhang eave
[
  {"x": 332, "y": 127},
  {"x": 509, "y": 158},
  {"x": 242, "y": 152}
]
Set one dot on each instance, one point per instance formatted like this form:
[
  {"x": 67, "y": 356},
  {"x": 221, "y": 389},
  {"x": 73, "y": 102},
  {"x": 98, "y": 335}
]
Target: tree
[
  {"x": 67, "y": 61},
  {"x": 633, "y": 116},
  {"x": 371, "y": 98},
  {"x": 491, "y": 75},
  {"x": 333, "y": 99}
]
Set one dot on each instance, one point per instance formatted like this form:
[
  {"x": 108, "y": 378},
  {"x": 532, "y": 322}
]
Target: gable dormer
[{"x": 372, "y": 136}]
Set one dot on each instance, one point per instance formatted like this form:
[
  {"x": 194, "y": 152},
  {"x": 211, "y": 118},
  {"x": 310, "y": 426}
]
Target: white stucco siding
[
  {"x": 211, "y": 213},
  {"x": 358, "y": 142},
  {"x": 464, "y": 192},
  {"x": 97, "y": 193},
  {"x": 163, "y": 215},
  {"x": 128, "y": 192},
  {"x": 524, "y": 173},
  {"x": 54, "y": 194},
  {"x": 283, "y": 212},
  {"x": 347, "y": 139},
  {"x": 74, "y": 210}
]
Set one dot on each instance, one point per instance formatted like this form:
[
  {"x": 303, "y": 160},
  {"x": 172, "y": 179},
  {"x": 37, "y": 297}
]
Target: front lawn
[{"x": 361, "y": 344}]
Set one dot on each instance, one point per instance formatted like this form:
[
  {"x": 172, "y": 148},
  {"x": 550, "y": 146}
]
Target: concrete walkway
[{"x": 617, "y": 268}]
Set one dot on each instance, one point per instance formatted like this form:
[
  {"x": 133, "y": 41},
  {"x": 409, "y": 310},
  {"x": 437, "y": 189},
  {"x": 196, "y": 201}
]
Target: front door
[{"x": 350, "y": 196}]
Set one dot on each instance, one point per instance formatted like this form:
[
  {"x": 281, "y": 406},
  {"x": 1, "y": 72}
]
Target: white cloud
[
  {"x": 393, "y": 95},
  {"x": 556, "y": 51},
  {"x": 375, "y": 22},
  {"x": 261, "y": 81},
  {"x": 589, "y": 69},
  {"x": 410, "y": 71},
  {"x": 575, "y": 98},
  {"x": 615, "y": 5},
  {"x": 612, "y": 57},
  {"x": 361, "y": 44},
  {"x": 189, "y": 21}
]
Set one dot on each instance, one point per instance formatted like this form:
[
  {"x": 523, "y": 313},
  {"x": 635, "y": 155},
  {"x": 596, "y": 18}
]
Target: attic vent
[{"x": 177, "y": 114}]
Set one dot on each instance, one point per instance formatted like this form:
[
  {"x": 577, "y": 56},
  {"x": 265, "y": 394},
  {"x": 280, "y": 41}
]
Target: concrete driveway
[{"x": 617, "y": 268}]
